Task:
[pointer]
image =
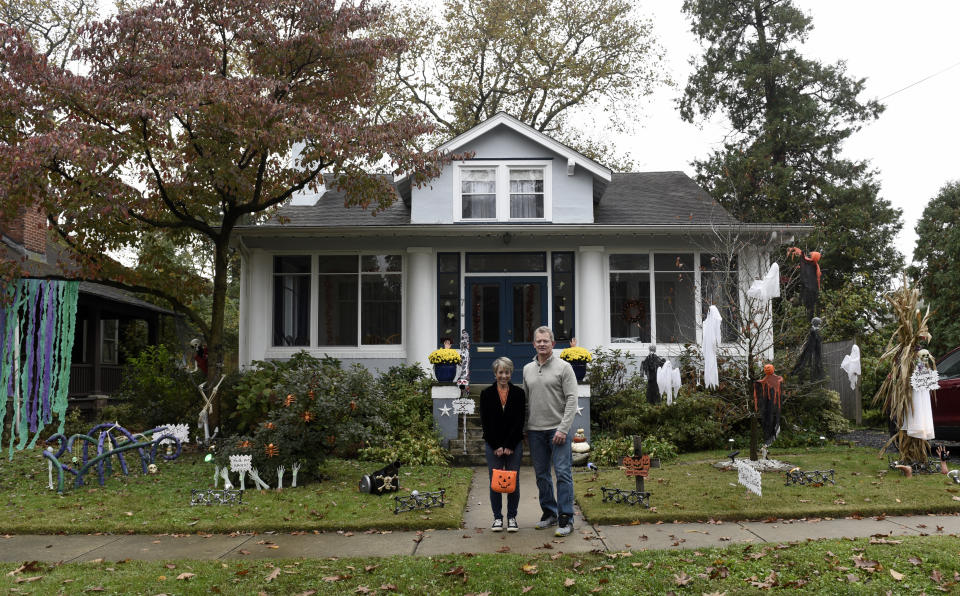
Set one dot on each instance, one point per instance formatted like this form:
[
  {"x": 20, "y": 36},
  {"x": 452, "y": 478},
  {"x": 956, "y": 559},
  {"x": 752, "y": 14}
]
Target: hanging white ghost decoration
[
  {"x": 768, "y": 287},
  {"x": 711, "y": 341},
  {"x": 851, "y": 365},
  {"x": 668, "y": 381}
]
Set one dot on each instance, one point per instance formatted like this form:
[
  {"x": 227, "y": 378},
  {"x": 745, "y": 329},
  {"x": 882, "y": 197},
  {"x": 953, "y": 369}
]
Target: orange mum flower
[{"x": 272, "y": 450}]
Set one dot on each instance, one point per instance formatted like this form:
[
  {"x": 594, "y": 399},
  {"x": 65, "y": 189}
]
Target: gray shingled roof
[
  {"x": 642, "y": 198},
  {"x": 657, "y": 198}
]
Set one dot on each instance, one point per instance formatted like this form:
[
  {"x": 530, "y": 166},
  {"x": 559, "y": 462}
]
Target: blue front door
[{"x": 501, "y": 316}]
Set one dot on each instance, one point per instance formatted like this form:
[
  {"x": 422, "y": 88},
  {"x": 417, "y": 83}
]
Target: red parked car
[{"x": 946, "y": 403}]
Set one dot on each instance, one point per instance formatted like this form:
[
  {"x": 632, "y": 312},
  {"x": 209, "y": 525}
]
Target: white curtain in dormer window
[
  {"x": 478, "y": 193},
  {"x": 526, "y": 194}
]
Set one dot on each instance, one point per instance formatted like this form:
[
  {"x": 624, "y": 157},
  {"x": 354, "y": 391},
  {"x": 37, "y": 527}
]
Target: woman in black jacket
[{"x": 503, "y": 407}]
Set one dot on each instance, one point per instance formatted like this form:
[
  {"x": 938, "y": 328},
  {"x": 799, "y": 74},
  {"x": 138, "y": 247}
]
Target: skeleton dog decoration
[{"x": 384, "y": 480}]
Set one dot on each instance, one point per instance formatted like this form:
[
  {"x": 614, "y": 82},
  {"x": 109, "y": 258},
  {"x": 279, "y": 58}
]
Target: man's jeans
[
  {"x": 507, "y": 462},
  {"x": 546, "y": 455}
]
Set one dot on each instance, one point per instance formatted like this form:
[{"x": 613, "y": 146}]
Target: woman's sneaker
[
  {"x": 512, "y": 525},
  {"x": 497, "y": 525},
  {"x": 546, "y": 520},
  {"x": 564, "y": 526}
]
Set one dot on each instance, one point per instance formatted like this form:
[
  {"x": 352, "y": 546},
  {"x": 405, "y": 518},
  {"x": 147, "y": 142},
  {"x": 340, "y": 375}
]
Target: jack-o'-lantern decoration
[{"x": 503, "y": 481}]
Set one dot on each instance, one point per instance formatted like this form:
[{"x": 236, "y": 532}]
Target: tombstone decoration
[
  {"x": 384, "y": 480},
  {"x": 749, "y": 477},
  {"x": 636, "y": 466},
  {"x": 216, "y": 497},
  {"x": 650, "y": 365},
  {"x": 811, "y": 357},
  {"x": 809, "y": 279},
  {"x": 241, "y": 464},
  {"x": 769, "y": 389},
  {"x": 110, "y": 440},
  {"x": 418, "y": 500},
  {"x": 809, "y": 478}
]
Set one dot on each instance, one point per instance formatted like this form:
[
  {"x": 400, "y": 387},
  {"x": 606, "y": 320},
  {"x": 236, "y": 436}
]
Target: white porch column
[
  {"x": 421, "y": 327},
  {"x": 591, "y": 329}
]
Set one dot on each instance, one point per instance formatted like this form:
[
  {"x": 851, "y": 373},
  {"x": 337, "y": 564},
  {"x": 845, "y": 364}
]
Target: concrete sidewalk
[{"x": 475, "y": 537}]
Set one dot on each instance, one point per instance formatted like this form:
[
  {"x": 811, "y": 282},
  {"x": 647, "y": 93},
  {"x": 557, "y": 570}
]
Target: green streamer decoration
[{"x": 35, "y": 368}]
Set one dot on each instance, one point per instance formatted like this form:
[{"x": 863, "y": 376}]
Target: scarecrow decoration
[
  {"x": 905, "y": 392},
  {"x": 812, "y": 354},
  {"x": 809, "y": 278},
  {"x": 769, "y": 388},
  {"x": 650, "y": 365}
]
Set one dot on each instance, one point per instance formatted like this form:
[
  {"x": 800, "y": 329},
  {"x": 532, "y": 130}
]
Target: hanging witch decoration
[
  {"x": 768, "y": 389},
  {"x": 809, "y": 278},
  {"x": 811, "y": 357},
  {"x": 905, "y": 392}
]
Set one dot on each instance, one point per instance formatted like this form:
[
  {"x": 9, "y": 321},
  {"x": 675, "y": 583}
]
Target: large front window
[
  {"x": 503, "y": 192},
  {"x": 359, "y": 300}
]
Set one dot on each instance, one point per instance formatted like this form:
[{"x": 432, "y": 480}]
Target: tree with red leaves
[{"x": 184, "y": 118}]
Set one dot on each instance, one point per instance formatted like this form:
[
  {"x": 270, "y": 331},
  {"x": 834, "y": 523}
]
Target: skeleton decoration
[
  {"x": 711, "y": 341},
  {"x": 258, "y": 482},
  {"x": 769, "y": 389},
  {"x": 384, "y": 480},
  {"x": 919, "y": 421},
  {"x": 207, "y": 409},
  {"x": 463, "y": 380},
  {"x": 809, "y": 279},
  {"x": 768, "y": 287},
  {"x": 225, "y": 474},
  {"x": 668, "y": 381},
  {"x": 216, "y": 475},
  {"x": 216, "y": 497},
  {"x": 241, "y": 464},
  {"x": 811, "y": 357},
  {"x": 650, "y": 365},
  {"x": 294, "y": 471},
  {"x": 280, "y": 472},
  {"x": 418, "y": 500},
  {"x": 37, "y": 320},
  {"x": 851, "y": 366}
]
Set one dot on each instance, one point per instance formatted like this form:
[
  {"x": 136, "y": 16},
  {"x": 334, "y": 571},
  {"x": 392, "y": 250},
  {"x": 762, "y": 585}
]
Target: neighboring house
[
  {"x": 102, "y": 311},
  {"x": 526, "y": 232}
]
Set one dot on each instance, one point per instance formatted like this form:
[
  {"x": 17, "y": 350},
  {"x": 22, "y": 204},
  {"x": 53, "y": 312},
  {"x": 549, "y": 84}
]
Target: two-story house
[{"x": 527, "y": 232}]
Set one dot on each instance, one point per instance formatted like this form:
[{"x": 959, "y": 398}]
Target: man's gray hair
[
  {"x": 504, "y": 363},
  {"x": 544, "y": 330}
]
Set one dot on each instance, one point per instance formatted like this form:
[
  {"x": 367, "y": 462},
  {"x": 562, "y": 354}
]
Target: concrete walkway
[{"x": 475, "y": 537}]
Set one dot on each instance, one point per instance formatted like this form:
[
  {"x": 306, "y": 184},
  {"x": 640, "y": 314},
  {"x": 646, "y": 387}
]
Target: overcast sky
[{"x": 914, "y": 145}]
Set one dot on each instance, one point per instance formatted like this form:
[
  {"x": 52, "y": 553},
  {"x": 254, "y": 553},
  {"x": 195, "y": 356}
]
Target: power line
[{"x": 954, "y": 65}]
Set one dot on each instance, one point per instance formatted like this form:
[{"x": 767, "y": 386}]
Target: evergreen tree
[
  {"x": 789, "y": 117},
  {"x": 937, "y": 258}
]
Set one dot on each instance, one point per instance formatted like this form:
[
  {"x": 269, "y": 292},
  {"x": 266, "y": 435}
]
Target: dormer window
[{"x": 503, "y": 192}]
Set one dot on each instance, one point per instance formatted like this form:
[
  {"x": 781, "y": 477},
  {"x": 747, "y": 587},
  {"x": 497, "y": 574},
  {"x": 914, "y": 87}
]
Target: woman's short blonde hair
[{"x": 503, "y": 362}]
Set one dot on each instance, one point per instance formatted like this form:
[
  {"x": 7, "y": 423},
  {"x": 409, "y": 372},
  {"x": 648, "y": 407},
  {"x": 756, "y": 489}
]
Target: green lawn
[
  {"x": 161, "y": 503},
  {"x": 692, "y": 490},
  {"x": 914, "y": 565}
]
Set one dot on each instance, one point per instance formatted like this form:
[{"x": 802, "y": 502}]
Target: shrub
[
  {"x": 694, "y": 422},
  {"x": 607, "y": 450},
  {"x": 157, "y": 390}
]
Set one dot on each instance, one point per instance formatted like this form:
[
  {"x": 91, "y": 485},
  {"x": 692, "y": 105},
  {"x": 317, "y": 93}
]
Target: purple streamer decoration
[{"x": 46, "y": 414}]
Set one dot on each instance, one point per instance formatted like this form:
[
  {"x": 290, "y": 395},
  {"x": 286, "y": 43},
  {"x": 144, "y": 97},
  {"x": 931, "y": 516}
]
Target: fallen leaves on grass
[
  {"x": 272, "y": 575},
  {"x": 457, "y": 571},
  {"x": 529, "y": 569},
  {"x": 682, "y": 579},
  {"x": 896, "y": 576},
  {"x": 569, "y": 582}
]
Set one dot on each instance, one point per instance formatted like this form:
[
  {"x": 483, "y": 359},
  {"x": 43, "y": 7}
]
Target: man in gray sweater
[{"x": 551, "y": 389}]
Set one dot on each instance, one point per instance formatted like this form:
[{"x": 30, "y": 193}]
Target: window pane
[
  {"x": 638, "y": 262},
  {"x": 563, "y": 295},
  {"x": 526, "y": 193},
  {"x": 338, "y": 263},
  {"x": 675, "y": 307},
  {"x": 448, "y": 262},
  {"x": 673, "y": 262},
  {"x": 629, "y": 307},
  {"x": 291, "y": 310},
  {"x": 485, "y": 313},
  {"x": 108, "y": 341},
  {"x": 710, "y": 262},
  {"x": 527, "y": 301},
  {"x": 506, "y": 262},
  {"x": 478, "y": 190},
  {"x": 298, "y": 264},
  {"x": 380, "y": 263},
  {"x": 720, "y": 289},
  {"x": 949, "y": 367},
  {"x": 380, "y": 311},
  {"x": 448, "y": 297},
  {"x": 337, "y": 310}
]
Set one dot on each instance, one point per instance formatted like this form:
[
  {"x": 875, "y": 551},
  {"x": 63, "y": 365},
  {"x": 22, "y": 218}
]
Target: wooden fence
[{"x": 837, "y": 380}]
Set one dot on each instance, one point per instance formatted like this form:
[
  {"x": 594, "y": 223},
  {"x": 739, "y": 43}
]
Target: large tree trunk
[{"x": 215, "y": 341}]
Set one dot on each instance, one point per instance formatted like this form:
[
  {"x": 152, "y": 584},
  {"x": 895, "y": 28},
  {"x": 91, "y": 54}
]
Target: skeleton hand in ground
[
  {"x": 225, "y": 474},
  {"x": 280, "y": 471},
  {"x": 295, "y": 470},
  {"x": 258, "y": 482},
  {"x": 216, "y": 476}
]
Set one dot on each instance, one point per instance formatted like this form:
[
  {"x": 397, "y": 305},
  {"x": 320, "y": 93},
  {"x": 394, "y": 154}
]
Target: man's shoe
[
  {"x": 546, "y": 520},
  {"x": 512, "y": 525},
  {"x": 564, "y": 526},
  {"x": 497, "y": 525}
]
